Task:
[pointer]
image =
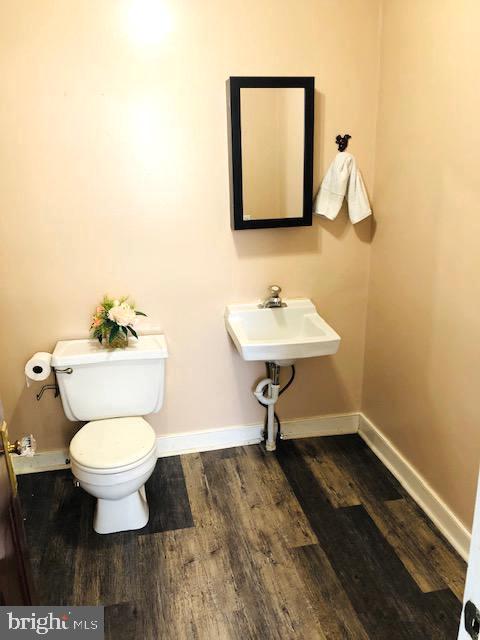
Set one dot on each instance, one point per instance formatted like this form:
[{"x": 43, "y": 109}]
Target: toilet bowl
[
  {"x": 114, "y": 454},
  {"x": 112, "y": 459}
]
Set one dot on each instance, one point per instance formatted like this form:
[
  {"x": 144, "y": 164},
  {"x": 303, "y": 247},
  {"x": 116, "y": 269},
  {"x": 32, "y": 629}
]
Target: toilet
[{"x": 114, "y": 454}]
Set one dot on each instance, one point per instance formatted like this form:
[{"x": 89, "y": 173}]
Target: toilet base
[{"x": 125, "y": 514}]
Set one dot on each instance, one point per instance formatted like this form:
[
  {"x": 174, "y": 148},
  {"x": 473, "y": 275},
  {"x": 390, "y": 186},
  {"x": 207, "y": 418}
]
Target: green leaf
[
  {"x": 107, "y": 303},
  {"x": 140, "y": 313},
  {"x": 99, "y": 337},
  {"x": 113, "y": 332},
  {"x": 133, "y": 332},
  {"x": 124, "y": 329}
]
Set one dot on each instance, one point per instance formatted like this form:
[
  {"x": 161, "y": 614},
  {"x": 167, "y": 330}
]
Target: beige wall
[
  {"x": 423, "y": 339},
  {"x": 114, "y": 178}
]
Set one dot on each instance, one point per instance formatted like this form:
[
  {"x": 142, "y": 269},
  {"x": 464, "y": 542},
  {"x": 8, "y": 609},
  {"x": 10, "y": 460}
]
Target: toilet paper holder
[{"x": 45, "y": 387}]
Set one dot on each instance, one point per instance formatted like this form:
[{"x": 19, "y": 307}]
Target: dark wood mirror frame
[{"x": 234, "y": 84}]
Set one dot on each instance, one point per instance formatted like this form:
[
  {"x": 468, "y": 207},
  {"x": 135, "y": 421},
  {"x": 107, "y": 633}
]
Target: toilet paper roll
[{"x": 38, "y": 367}]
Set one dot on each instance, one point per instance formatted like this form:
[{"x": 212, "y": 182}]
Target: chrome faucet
[{"x": 273, "y": 301}]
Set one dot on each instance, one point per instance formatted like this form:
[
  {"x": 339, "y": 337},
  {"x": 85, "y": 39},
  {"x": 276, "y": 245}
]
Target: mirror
[
  {"x": 271, "y": 151},
  {"x": 272, "y": 130}
]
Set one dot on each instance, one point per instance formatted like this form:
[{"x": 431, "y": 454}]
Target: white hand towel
[{"x": 342, "y": 179}]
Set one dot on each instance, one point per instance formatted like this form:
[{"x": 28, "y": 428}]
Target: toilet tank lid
[{"x": 74, "y": 352}]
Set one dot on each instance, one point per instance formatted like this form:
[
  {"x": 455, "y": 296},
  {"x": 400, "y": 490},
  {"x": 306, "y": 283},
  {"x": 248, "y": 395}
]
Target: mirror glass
[
  {"x": 270, "y": 145},
  {"x": 272, "y": 140}
]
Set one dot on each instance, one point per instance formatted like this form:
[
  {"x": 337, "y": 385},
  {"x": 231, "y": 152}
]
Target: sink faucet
[{"x": 273, "y": 300}]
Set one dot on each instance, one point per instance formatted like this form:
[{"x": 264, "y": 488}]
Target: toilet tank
[{"x": 96, "y": 383}]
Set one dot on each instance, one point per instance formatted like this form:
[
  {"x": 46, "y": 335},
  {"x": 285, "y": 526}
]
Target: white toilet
[{"x": 114, "y": 454}]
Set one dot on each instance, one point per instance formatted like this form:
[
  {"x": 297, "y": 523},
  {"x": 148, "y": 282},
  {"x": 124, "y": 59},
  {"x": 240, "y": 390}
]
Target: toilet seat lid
[{"x": 115, "y": 442}]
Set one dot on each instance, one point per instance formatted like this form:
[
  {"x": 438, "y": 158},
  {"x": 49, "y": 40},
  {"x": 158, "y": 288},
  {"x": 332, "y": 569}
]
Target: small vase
[{"x": 120, "y": 341}]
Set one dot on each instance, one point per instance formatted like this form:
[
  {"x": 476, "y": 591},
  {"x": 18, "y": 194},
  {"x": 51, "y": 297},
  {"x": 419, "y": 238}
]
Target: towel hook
[{"x": 342, "y": 141}]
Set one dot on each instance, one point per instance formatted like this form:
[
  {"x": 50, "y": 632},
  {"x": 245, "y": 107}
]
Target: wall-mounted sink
[{"x": 280, "y": 334}]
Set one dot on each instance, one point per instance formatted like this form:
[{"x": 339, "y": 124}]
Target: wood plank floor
[{"x": 317, "y": 541}]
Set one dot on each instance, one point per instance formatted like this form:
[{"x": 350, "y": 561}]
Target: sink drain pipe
[{"x": 267, "y": 393}]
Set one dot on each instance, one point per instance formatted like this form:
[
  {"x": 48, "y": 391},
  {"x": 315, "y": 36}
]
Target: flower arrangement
[{"x": 113, "y": 321}]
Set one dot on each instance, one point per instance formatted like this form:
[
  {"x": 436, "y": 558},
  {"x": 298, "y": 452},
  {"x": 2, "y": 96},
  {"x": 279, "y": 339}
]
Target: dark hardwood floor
[{"x": 317, "y": 541}]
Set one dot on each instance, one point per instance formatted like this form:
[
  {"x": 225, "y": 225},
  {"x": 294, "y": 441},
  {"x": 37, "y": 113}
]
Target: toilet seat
[
  {"x": 112, "y": 445},
  {"x": 112, "y": 472}
]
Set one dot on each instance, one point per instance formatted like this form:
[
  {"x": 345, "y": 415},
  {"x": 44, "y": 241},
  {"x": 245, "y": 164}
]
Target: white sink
[{"x": 280, "y": 334}]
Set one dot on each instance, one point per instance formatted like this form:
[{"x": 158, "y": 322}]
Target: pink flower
[
  {"x": 100, "y": 309},
  {"x": 97, "y": 322}
]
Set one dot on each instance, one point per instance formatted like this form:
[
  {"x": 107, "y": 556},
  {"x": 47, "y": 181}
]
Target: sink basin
[{"x": 282, "y": 334}]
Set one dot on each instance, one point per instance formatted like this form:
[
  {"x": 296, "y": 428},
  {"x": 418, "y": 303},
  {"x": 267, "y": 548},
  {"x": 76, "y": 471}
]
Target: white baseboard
[
  {"x": 194, "y": 441},
  {"x": 331, "y": 425},
  {"x": 416, "y": 485},
  {"x": 208, "y": 440},
  {"x": 42, "y": 461},
  {"x": 169, "y": 445},
  {"x": 225, "y": 437}
]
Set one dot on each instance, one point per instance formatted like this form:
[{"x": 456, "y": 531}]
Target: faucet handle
[{"x": 275, "y": 290}]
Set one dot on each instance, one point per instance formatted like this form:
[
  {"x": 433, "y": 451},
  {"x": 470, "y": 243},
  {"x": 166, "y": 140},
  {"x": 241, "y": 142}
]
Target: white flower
[{"x": 122, "y": 314}]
